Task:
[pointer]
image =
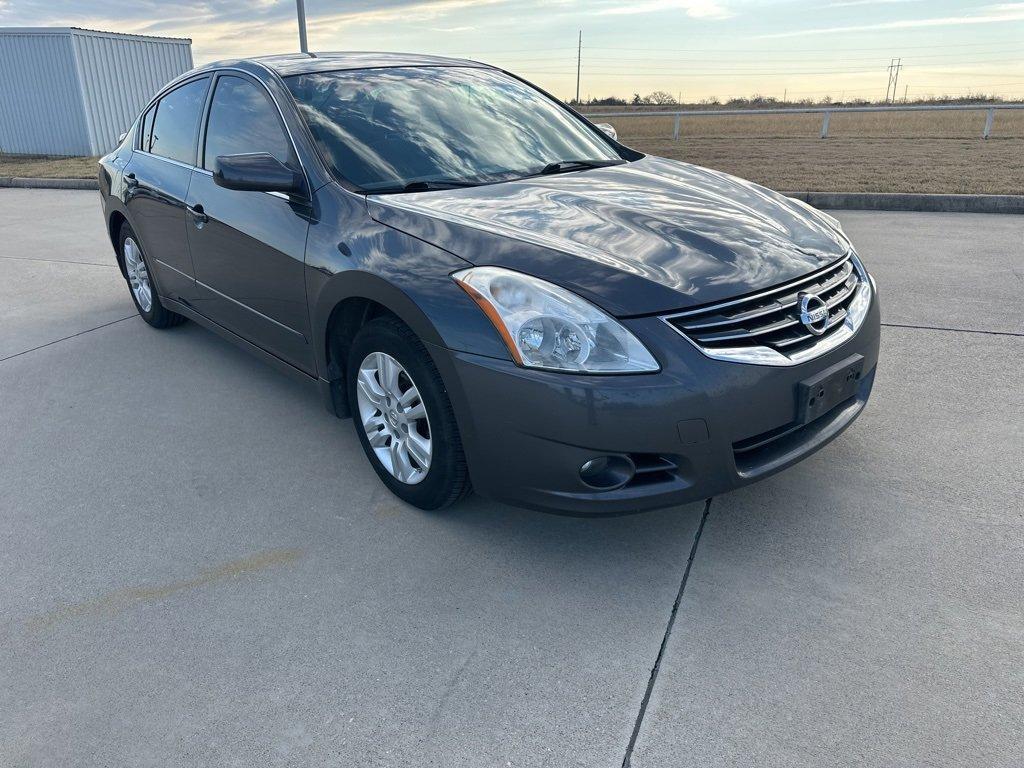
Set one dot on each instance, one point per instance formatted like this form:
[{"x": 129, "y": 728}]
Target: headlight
[{"x": 545, "y": 326}]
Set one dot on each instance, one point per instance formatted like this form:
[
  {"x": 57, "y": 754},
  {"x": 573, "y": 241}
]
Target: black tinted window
[
  {"x": 382, "y": 128},
  {"x": 243, "y": 119},
  {"x": 176, "y": 122}
]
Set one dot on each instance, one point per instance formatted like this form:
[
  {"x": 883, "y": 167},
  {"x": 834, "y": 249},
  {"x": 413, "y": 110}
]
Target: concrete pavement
[{"x": 198, "y": 567}]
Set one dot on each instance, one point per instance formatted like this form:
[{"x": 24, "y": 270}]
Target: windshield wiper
[
  {"x": 427, "y": 186},
  {"x": 561, "y": 166}
]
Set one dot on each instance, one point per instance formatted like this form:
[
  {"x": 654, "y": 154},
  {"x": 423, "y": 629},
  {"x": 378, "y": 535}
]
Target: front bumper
[{"x": 698, "y": 428}]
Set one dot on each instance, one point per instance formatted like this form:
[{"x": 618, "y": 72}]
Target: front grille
[{"x": 770, "y": 320}]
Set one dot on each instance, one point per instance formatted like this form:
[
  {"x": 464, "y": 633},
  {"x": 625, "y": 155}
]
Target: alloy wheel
[
  {"x": 394, "y": 417},
  {"x": 138, "y": 274}
]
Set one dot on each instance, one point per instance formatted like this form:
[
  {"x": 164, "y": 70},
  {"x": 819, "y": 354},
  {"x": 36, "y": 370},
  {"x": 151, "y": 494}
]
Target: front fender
[
  {"x": 349, "y": 255},
  {"x": 364, "y": 285}
]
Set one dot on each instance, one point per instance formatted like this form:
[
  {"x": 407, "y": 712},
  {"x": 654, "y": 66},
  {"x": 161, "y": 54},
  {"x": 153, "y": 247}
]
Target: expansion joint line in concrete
[
  {"x": 951, "y": 330},
  {"x": 58, "y": 341},
  {"x": 664, "y": 640}
]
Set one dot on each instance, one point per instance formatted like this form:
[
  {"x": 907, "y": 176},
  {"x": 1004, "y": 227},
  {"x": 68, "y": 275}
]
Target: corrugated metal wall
[
  {"x": 119, "y": 75},
  {"x": 72, "y": 91},
  {"x": 41, "y": 108}
]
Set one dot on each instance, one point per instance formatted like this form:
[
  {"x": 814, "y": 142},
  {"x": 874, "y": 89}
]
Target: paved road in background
[{"x": 198, "y": 567}]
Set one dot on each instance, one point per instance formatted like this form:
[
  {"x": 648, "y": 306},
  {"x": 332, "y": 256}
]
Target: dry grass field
[
  {"x": 48, "y": 167},
  {"x": 936, "y": 152}
]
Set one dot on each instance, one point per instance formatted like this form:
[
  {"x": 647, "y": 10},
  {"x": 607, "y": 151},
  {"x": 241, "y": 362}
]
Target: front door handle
[{"x": 198, "y": 214}]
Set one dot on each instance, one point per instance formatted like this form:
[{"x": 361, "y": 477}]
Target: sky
[{"x": 693, "y": 49}]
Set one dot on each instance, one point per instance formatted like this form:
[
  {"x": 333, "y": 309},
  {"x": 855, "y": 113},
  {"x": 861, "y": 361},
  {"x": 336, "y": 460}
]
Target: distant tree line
[{"x": 757, "y": 101}]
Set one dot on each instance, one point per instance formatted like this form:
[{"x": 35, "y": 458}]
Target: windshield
[{"x": 386, "y": 129}]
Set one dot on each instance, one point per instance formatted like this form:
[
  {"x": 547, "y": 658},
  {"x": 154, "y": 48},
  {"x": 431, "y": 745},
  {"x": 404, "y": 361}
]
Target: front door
[{"x": 248, "y": 248}]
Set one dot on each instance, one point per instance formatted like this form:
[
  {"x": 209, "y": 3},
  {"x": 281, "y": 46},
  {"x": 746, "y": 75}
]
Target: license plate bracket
[{"x": 822, "y": 392}]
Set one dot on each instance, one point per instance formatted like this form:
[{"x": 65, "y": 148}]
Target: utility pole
[
  {"x": 894, "y": 77},
  {"x": 300, "y": 8},
  {"x": 905, "y": 89},
  {"x": 579, "y": 61}
]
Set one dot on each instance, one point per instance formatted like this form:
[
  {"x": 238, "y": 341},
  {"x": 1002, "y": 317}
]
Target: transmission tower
[{"x": 894, "y": 78}]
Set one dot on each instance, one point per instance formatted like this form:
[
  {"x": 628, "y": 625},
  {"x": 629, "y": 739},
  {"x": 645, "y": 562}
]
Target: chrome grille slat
[
  {"x": 832, "y": 323},
  {"x": 820, "y": 288},
  {"x": 768, "y": 323},
  {"x": 771, "y": 291},
  {"x": 746, "y": 333},
  {"x": 843, "y": 294}
]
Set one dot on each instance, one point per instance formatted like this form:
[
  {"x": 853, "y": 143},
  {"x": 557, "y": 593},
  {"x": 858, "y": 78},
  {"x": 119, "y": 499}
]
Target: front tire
[
  {"x": 403, "y": 417},
  {"x": 140, "y": 283}
]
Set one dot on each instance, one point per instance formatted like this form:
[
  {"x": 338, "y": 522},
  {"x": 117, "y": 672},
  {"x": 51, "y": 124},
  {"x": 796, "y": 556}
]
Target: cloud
[
  {"x": 849, "y": 3},
  {"x": 233, "y": 28},
  {"x": 696, "y": 9},
  {"x": 991, "y": 14}
]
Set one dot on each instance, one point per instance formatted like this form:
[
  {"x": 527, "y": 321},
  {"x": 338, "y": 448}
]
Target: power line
[
  {"x": 817, "y": 50},
  {"x": 982, "y": 85},
  {"x": 758, "y": 73},
  {"x": 758, "y": 69},
  {"x": 759, "y": 63},
  {"x": 728, "y": 51}
]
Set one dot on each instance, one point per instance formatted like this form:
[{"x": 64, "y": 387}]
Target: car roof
[{"x": 301, "y": 63}]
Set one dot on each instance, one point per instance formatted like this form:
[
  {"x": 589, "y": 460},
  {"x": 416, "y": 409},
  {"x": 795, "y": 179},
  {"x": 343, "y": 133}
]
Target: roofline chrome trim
[
  {"x": 211, "y": 72},
  {"x": 760, "y": 355}
]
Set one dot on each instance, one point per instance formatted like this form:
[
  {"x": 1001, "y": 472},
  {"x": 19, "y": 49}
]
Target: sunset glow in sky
[{"x": 696, "y": 48}]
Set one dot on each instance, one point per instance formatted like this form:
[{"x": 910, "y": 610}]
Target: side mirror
[
  {"x": 609, "y": 130},
  {"x": 256, "y": 172}
]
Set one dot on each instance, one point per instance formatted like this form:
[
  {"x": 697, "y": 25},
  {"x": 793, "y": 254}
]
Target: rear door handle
[{"x": 198, "y": 214}]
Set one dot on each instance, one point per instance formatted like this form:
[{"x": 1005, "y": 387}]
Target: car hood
[{"x": 639, "y": 238}]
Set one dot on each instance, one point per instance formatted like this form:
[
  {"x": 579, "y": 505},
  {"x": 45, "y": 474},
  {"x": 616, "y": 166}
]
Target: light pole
[
  {"x": 300, "y": 7},
  {"x": 579, "y": 60}
]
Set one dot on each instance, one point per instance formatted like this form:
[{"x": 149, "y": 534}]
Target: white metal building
[{"x": 69, "y": 91}]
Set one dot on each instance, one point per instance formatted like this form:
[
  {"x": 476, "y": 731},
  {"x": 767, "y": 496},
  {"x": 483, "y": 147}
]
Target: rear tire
[
  {"x": 421, "y": 444},
  {"x": 140, "y": 282}
]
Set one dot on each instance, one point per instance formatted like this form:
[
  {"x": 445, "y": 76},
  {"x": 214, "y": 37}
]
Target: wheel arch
[
  {"x": 350, "y": 300},
  {"x": 115, "y": 221}
]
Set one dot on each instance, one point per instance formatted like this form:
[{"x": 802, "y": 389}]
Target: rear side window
[
  {"x": 243, "y": 119},
  {"x": 177, "y": 121},
  {"x": 147, "y": 129}
]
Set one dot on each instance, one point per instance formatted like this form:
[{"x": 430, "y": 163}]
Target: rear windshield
[{"x": 382, "y": 129}]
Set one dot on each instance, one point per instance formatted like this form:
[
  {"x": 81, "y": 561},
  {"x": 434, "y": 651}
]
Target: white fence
[{"x": 825, "y": 112}]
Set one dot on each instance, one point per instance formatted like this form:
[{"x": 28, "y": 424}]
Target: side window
[
  {"x": 243, "y": 119},
  {"x": 147, "y": 129},
  {"x": 177, "y": 120}
]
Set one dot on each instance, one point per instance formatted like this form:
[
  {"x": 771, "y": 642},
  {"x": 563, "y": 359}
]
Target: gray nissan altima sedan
[{"x": 498, "y": 293}]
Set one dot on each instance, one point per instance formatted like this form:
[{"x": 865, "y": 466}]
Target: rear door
[
  {"x": 157, "y": 178},
  {"x": 248, "y": 248}
]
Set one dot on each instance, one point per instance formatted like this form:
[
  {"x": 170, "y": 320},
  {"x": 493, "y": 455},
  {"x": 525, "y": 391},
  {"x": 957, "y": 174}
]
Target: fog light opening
[{"x": 606, "y": 473}]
